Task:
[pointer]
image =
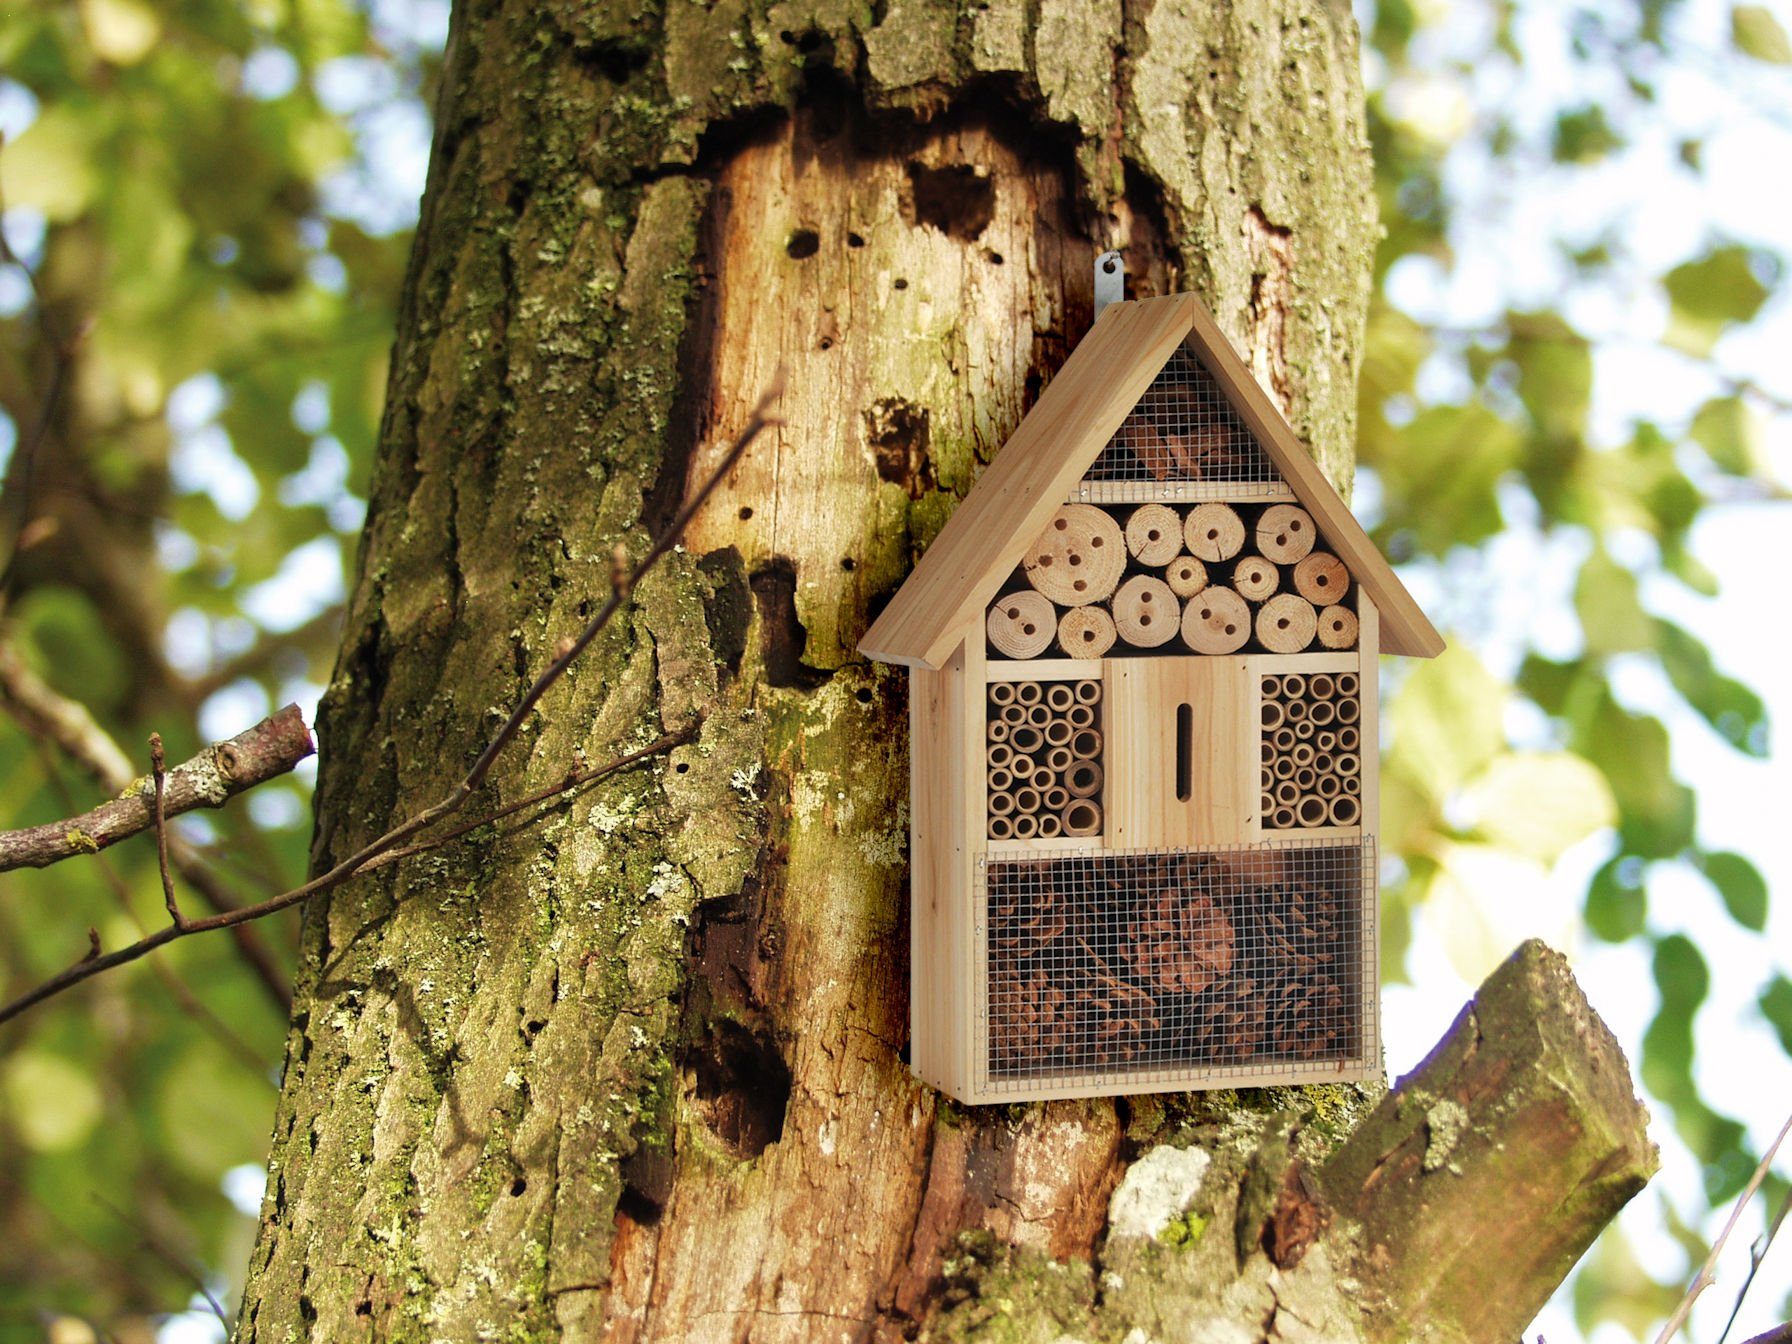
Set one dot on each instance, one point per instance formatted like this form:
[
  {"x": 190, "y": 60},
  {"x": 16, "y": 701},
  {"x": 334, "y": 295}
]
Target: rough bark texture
[{"x": 637, "y": 1073}]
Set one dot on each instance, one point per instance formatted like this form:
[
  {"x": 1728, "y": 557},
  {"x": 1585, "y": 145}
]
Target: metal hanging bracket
[{"x": 1110, "y": 280}]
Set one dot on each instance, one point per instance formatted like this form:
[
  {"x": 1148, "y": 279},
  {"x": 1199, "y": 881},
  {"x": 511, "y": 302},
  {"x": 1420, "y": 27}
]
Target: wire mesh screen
[
  {"x": 1184, "y": 430},
  {"x": 1158, "y": 965}
]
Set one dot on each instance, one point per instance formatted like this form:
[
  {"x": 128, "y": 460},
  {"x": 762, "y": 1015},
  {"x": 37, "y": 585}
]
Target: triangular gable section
[{"x": 1099, "y": 390}]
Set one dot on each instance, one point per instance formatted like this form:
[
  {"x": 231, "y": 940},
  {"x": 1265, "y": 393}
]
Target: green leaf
[
  {"x": 1447, "y": 722},
  {"x": 1583, "y": 135},
  {"x": 1733, "y": 710},
  {"x": 1733, "y": 437},
  {"x": 1611, "y": 613},
  {"x": 1712, "y": 293},
  {"x": 1757, "y": 33},
  {"x": 1741, "y": 885},
  {"x": 1776, "y": 1007},
  {"x": 1617, "y": 906},
  {"x": 1540, "y": 804}
]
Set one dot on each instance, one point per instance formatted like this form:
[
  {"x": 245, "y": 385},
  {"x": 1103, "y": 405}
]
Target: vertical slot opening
[{"x": 1185, "y": 751}]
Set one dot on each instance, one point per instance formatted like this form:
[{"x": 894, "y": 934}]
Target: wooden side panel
[
  {"x": 1145, "y": 697},
  {"x": 1368, "y": 677},
  {"x": 946, "y": 835}
]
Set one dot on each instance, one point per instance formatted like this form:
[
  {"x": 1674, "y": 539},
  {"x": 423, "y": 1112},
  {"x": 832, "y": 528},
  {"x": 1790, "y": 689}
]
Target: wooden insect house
[{"x": 1143, "y": 712}]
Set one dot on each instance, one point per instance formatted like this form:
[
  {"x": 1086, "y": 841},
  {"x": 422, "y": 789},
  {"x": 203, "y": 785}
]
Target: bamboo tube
[
  {"x": 1086, "y": 745},
  {"x": 1216, "y": 621},
  {"x": 1051, "y": 825},
  {"x": 1303, "y": 753},
  {"x": 999, "y": 755},
  {"x": 998, "y": 731},
  {"x": 1285, "y": 533},
  {"x": 1348, "y": 739},
  {"x": 1058, "y": 760},
  {"x": 1059, "y": 697},
  {"x": 1309, "y": 811},
  {"x": 1347, "y": 683},
  {"x": 1083, "y": 779},
  {"x": 1026, "y": 799},
  {"x": 1058, "y": 732},
  {"x": 1213, "y": 532},
  {"x": 1284, "y": 818},
  {"x": 1082, "y": 818},
  {"x": 1085, "y": 632},
  {"x": 1295, "y": 711},
  {"x": 1026, "y": 826},
  {"x": 1322, "y": 712},
  {"x": 1026, "y": 739},
  {"x": 1284, "y": 767},
  {"x": 1038, "y": 716},
  {"x": 1305, "y": 730},
  {"x": 1344, "y": 811},
  {"x": 1284, "y": 739},
  {"x": 1294, "y": 686},
  {"x": 1324, "y": 763},
  {"x": 1001, "y": 804},
  {"x": 1088, "y": 692},
  {"x": 1328, "y": 786},
  {"x": 1266, "y": 804},
  {"x": 1287, "y": 793},
  {"x": 1286, "y": 623},
  {"x": 1154, "y": 534},
  {"x": 1326, "y": 742},
  {"x": 1022, "y": 768},
  {"x": 1267, "y": 752},
  {"x": 1001, "y": 780},
  {"x": 1021, "y": 625},
  {"x": 1348, "y": 764},
  {"x": 1271, "y": 687},
  {"x": 1001, "y": 693},
  {"x": 1353, "y": 785},
  {"x": 1322, "y": 579},
  {"x": 1337, "y": 628},
  {"x": 1014, "y": 715},
  {"x": 1028, "y": 693},
  {"x": 1255, "y": 578},
  {"x": 1321, "y": 686},
  {"x": 1079, "y": 557},
  {"x": 1185, "y": 575},
  {"x": 1266, "y": 779},
  {"x": 1000, "y": 828},
  {"x": 1305, "y": 778},
  {"x": 1349, "y": 711},
  {"x": 1081, "y": 716},
  {"x": 1055, "y": 799},
  {"x": 1146, "y": 612},
  {"x": 1273, "y": 714}
]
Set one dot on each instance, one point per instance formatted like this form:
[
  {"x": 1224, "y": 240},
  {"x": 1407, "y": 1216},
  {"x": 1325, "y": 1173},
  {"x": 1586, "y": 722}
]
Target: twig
[
  {"x": 270, "y": 748},
  {"x": 456, "y": 797},
  {"x": 158, "y": 765},
  {"x": 1707, "y": 1274},
  {"x": 1757, "y": 1252}
]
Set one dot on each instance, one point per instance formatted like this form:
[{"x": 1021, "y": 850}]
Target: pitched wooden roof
[{"x": 1040, "y": 465}]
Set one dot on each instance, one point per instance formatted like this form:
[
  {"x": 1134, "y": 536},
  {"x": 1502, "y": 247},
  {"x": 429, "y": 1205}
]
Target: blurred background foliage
[{"x": 1569, "y": 432}]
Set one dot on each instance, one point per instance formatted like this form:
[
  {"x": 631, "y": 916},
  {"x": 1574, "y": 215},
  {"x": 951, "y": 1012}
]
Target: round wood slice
[
  {"x": 1146, "y": 612},
  {"x": 1337, "y": 628},
  {"x": 1154, "y": 534},
  {"x": 1286, "y": 623},
  {"x": 1022, "y": 624},
  {"x": 1185, "y": 575},
  {"x": 1285, "y": 533},
  {"x": 1322, "y": 579},
  {"x": 1216, "y": 620},
  {"x": 1079, "y": 557},
  {"x": 1213, "y": 532},
  {"x": 1086, "y": 632},
  {"x": 1256, "y": 579}
]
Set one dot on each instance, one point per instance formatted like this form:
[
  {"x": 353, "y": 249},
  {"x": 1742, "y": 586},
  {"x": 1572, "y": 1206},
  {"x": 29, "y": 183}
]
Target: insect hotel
[{"x": 1143, "y": 726}]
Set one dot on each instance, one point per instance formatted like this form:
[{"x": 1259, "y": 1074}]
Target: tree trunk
[{"x": 635, "y": 1071}]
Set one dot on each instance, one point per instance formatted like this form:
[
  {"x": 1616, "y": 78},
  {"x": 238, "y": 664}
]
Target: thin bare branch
[
  {"x": 224, "y": 769},
  {"x": 158, "y": 765},
  {"x": 399, "y": 836},
  {"x": 1756, "y": 1254}
]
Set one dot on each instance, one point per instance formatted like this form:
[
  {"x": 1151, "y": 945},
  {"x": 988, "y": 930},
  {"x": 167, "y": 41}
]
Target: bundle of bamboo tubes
[
  {"x": 1042, "y": 752},
  {"x": 1214, "y": 578},
  {"x": 1311, "y": 751}
]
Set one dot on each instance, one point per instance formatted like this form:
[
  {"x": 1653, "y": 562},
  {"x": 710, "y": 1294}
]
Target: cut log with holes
[
  {"x": 1185, "y": 575},
  {"x": 1337, "y": 628},
  {"x": 1146, "y": 612},
  {"x": 1154, "y": 534},
  {"x": 1285, "y": 533},
  {"x": 1255, "y": 578},
  {"x": 1322, "y": 579},
  {"x": 1213, "y": 532},
  {"x": 1216, "y": 620},
  {"x": 1086, "y": 632},
  {"x": 1022, "y": 624},
  {"x": 1286, "y": 623},
  {"x": 1079, "y": 557}
]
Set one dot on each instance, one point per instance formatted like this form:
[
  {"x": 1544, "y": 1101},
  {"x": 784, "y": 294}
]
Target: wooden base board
[{"x": 1164, "y": 1080}]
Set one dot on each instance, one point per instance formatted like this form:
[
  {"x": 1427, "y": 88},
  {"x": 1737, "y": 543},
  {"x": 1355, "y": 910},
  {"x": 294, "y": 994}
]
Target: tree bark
[{"x": 636, "y": 1073}]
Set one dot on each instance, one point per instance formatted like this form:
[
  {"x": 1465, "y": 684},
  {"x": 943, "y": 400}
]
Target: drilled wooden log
[
  {"x": 1185, "y": 575},
  {"x": 1285, "y": 533},
  {"x": 1021, "y": 625},
  {"x": 1086, "y": 632},
  {"x": 1146, "y": 612},
  {"x": 1479, "y": 1181},
  {"x": 1213, "y": 532},
  {"x": 1216, "y": 620},
  {"x": 1322, "y": 579},
  {"x": 1337, "y": 628},
  {"x": 1286, "y": 623},
  {"x": 1079, "y": 557},
  {"x": 1154, "y": 534},
  {"x": 1255, "y": 579}
]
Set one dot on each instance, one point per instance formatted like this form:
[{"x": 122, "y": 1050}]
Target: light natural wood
[
  {"x": 1216, "y": 621},
  {"x": 1019, "y": 491},
  {"x": 1022, "y": 624},
  {"x": 1154, "y": 534},
  {"x": 1322, "y": 579},
  {"x": 1213, "y": 532},
  {"x": 1286, "y": 623},
  {"x": 1084, "y": 779},
  {"x": 1144, "y": 1079},
  {"x": 1337, "y": 627},
  {"x": 1255, "y": 578},
  {"x": 1042, "y": 845},
  {"x": 1344, "y": 810},
  {"x": 1185, "y": 575},
  {"x": 1285, "y": 533},
  {"x": 1369, "y": 701},
  {"x": 1048, "y": 669},
  {"x": 1086, "y": 632},
  {"x": 1280, "y": 665},
  {"x": 1144, "y": 696},
  {"x": 1177, "y": 492},
  {"x": 1146, "y": 613},
  {"x": 1078, "y": 557}
]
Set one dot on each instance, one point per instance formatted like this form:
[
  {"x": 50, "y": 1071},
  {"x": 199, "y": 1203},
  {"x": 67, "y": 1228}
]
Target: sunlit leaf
[
  {"x": 1712, "y": 293},
  {"x": 1757, "y": 33},
  {"x": 1447, "y": 722},
  {"x": 1776, "y": 1007},
  {"x": 1540, "y": 804},
  {"x": 1741, "y": 885},
  {"x": 1731, "y": 433},
  {"x": 50, "y": 1103},
  {"x": 1583, "y": 135},
  {"x": 1617, "y": 905},
  {"x": 1610, "y": 610},
  {"x": 1734, "y": 710}
]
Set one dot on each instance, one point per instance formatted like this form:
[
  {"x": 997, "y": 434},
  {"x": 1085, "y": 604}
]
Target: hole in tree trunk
[{"x": 742, "y": 1087}]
